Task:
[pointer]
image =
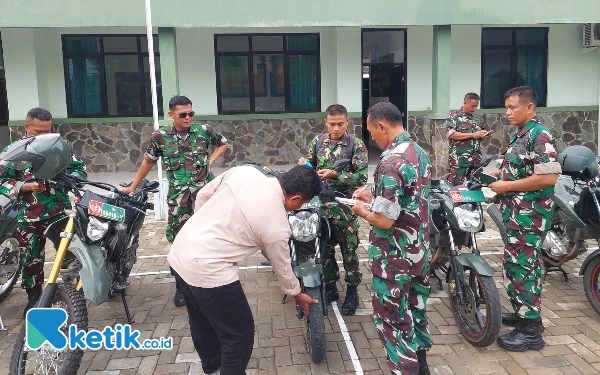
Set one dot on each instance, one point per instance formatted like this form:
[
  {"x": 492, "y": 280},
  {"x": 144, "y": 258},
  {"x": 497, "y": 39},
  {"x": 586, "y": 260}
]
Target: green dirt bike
[
  {"x": 310, "y": 232},
  {"x": 456, "y": 217}
]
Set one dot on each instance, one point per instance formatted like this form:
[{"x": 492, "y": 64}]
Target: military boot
[
  {"x": 331, "y": 292},
  {"x": 422, "y": 358},
  {"x": 351, "y": 300},
  {"x": 33, "y": 295},
  {"x": 510, "y": 319},
  {"x": 526, "y": 335}
]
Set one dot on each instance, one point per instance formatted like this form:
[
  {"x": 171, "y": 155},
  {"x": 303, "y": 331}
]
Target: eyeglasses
[{"x": 186, "y": 114}]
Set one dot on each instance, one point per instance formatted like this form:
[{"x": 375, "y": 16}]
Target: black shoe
[
  {"x": 510, "y": 319},
  {"x": 331, "y": 292},
  {"x": 526, "y": 335},
  {"x": 33, "y": 295},
  {"x": 351, "y": 301},
  {"x": 422, "y": 358},
  {"x": 178, "y": 299}
]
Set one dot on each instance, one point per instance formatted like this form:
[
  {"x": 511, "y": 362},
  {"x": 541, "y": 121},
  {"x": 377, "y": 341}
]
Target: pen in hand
[{"x": 360, "y": 191}]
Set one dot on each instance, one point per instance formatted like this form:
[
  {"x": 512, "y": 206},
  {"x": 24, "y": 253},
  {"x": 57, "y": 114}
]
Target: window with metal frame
[
  {"x": 109, "y": 75},
  {"x": 3, "y": 94},
  {"x": 267, "y": 73},
  {"x": 512, "y": 57}
]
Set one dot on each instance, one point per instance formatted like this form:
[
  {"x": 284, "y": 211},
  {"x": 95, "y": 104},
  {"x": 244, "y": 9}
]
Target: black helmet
[
  {"x": 578, "y": 162},
  {"x": 49, "y": 154}
]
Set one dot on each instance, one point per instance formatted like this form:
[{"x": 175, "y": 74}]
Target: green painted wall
[{"x": 240, "y": 13}]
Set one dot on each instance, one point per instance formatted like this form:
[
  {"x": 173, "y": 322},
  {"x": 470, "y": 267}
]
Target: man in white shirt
[{"x": 240, "y": 212}]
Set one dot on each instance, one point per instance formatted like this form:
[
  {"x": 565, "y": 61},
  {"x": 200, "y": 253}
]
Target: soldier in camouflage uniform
[
  {"x": 323, "y": 152},
  {"x": 39, "y": 206},
  {"x": 464, "y": 131},
  {"x": 184, "y": 149},
  {"x": 527, "y": 177},
  {"x": 399, "y": 252}
]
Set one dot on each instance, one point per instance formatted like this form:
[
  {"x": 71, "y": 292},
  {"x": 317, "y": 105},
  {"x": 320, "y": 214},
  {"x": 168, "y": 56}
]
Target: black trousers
[{"x": 221, "y": 325}]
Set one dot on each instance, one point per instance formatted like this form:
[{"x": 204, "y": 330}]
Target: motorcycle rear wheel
[
  {"x": 73, "y": 302},
  {"x": 486, "y": 295},
  {"x": 315, "y": 326},
  {"x": 590, "y": 283},
  {"x": 15, "y": 256}
]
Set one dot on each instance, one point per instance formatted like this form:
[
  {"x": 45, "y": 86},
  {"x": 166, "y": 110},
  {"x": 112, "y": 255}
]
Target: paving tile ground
[{"x": 572, "y": 327}]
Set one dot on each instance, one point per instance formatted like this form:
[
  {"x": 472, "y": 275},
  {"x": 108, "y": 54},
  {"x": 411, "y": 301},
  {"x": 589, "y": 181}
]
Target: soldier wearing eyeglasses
[{"x": 184, "y": 149}]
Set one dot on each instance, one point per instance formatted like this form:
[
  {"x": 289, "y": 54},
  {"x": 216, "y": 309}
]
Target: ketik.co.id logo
[{"x": 46, "y": 325}]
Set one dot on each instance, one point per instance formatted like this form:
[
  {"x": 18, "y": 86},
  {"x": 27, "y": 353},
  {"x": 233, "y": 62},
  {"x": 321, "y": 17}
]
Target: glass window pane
[
  {"x": 84, "y": 83},
  {"x": 235, "y": 83},
  {"x": 383, "y": 47},
  {"x": 530, "y": 70},
  {"x": 303, "y": 82},
  {"x": 147, "y": 86},
  {"x": 144, "y": 43},
  {"x": 531, "y": 37},
  {"x": 497, "y": 78},
  {"x": 269, "y": 83},
  {"x": 497, "y": 37},
  {"x": 122, "y": 85},
  {"x": 267, "y": 43},
  {"x": 120, "y": 44},
  {"x": 82, "y": 44},
  {"x": 227, "y": 43},
  {"x": 302, "y": 43}
]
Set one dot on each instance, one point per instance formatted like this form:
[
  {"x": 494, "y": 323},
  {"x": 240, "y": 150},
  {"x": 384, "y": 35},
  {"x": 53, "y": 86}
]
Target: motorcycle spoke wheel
[
  {"x": 479, "y": 315},
  {"x": 12, "y": 266}
]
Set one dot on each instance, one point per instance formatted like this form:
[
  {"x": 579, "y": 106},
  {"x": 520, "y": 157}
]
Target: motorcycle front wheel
[
  {"x": 315, "y": 326},
  {"x": 47, "y": 359},
  {"x": 479, "y": 315},
  {"x": 590, "y": 283}
]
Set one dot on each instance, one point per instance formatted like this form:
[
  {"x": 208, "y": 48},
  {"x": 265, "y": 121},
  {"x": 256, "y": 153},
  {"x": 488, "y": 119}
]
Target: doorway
[{"x": 383, "y": 72}]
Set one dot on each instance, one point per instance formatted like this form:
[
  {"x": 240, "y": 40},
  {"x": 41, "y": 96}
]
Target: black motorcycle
[{"x": 97, "y": 250}]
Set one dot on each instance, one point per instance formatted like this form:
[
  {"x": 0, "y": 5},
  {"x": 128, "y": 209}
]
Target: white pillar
[
  {"x": 21, "y": 74},
  {"x": 349, "y": 68}
]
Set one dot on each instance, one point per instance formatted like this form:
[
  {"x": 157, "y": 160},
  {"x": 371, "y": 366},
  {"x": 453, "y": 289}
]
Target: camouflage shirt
[
  {"x": 531, "y": 151},
  {"x": 186, "y": 158},
  {"x": 330, "y": 151},
  {"x": 35, "y": 207},
  {"x": 465, "y": 153},
  {"x": 400, "y": 193}
]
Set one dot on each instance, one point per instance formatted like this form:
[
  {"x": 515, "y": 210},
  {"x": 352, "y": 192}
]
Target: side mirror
[{"x": 341, "y": 164}]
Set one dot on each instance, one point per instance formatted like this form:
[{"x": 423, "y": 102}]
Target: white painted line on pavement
[{"x": 347, "y": 339}]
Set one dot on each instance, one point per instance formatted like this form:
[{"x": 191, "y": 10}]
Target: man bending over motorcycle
[{"x": 238, "y": 213}]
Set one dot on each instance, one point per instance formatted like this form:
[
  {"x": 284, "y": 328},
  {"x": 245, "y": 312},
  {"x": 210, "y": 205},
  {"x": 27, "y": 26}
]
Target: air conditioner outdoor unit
[{"x": 591, "y": 35}]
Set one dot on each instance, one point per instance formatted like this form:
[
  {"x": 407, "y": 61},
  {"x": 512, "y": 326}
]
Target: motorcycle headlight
[
  {"x": 96, "y": 229},
  {"x": 305, "y": 225},
  {"x": 468, "y": 219}
]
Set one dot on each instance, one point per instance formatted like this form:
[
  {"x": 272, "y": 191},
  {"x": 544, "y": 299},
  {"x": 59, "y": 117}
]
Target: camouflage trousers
[
  {"x": 181, "y": 208},
  {"x": 523, "y": 269},
  {"x": 32, "y": 245},
  {"x": 457, "y": 175},
  {"x": 399, "y": 312},
  {"x": 344, "y": 231}
]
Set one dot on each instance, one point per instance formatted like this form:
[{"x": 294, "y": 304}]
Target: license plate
[
  {"x": 106, "y": 211},
  {"x": 463, "y": 196}
]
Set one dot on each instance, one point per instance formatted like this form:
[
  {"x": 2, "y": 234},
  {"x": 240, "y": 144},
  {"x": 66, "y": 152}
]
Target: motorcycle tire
[
  {"x": 493, "y": 317},
  {"x": 6, "y": 288},
  {"x": 74, "y": 303},
  {"x": 315, "y": 326},
  {"x": 590, "y": 283},
  {"x": 496, "y": 217}
]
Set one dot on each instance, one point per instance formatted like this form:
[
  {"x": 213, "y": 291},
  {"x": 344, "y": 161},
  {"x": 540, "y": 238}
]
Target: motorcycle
[
  {"x": 101, "y": 236},
  {"x": 10, "y": 260},
  {"x": 456, "y": 217},
  {"x": 576, "y": 219},
  {"x": 310, "y": 232}
]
